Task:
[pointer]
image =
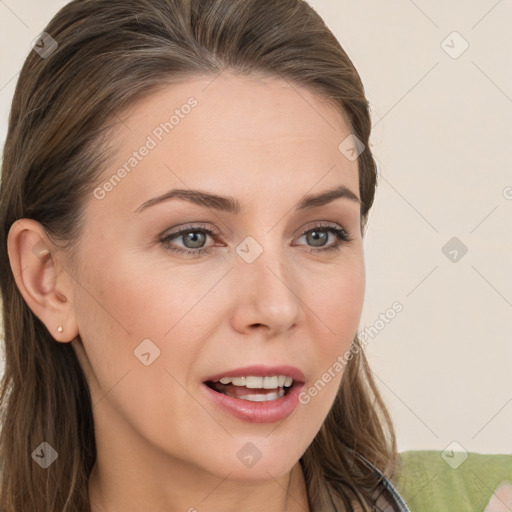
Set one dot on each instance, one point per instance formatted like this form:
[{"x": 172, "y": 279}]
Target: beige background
[{"x": 442, "y": 127}]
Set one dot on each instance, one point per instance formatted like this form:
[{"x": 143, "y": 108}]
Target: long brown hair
[{"x": 110, "y": 53}]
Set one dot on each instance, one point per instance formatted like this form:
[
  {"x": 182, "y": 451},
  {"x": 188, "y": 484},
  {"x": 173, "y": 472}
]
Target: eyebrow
[{"x": 231, "y": 205}]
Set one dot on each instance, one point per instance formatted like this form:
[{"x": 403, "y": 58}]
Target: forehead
[{"x": 228, "y": 132}]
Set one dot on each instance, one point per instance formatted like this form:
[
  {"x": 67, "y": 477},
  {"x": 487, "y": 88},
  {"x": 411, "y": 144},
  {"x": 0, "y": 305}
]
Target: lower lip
[{"x": 257, "y": 412}]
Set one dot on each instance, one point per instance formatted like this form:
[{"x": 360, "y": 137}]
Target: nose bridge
[{"x": 269, "y": 291}]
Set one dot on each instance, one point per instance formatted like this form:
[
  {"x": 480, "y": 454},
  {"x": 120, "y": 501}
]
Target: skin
[{"x": 162, "y": 444}]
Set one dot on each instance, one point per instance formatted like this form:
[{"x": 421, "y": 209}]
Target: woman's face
[{"x": 242, "y": 288}]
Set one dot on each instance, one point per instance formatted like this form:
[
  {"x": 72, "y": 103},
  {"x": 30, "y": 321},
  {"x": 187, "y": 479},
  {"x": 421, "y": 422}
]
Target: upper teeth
[{"x": 259, "y": 382}]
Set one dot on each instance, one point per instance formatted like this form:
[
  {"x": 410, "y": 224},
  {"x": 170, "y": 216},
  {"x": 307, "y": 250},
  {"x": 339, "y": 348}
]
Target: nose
[{"x": 266, "y": 294}]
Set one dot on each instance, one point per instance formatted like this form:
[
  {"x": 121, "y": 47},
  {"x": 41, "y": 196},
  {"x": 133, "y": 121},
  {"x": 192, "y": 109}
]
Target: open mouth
[{"x": 252, "y": 388}]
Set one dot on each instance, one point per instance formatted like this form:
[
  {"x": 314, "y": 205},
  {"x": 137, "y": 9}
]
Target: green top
[{"x": 434, "y": 481}]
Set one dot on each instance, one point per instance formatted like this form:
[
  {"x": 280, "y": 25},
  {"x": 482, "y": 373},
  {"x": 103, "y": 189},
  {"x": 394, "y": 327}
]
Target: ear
[{"x": 43, "y": 282}]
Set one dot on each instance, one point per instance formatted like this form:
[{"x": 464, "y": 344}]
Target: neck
[{"x": 135, "y": 492}]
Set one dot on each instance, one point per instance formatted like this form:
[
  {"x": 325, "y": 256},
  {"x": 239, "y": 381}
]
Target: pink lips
[{"x": 258, "y": 412}]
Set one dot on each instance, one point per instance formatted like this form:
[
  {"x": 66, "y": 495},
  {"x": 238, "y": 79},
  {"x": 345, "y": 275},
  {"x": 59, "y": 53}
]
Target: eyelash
[{"x": 342, "y": 236}]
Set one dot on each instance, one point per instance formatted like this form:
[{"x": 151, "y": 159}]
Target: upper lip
[{"x": 260, "y": 371}]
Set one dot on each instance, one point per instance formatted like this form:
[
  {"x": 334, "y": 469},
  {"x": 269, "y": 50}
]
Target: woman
[{"x": 185, "y": 187}]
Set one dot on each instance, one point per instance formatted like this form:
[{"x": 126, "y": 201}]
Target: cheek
[
  {"x": 338, "y": 303},
  {"x": 123, "y": 306},
  {"x": 126, "y": 300},
  {"x": 346, "y": 302},
  {"x": 337, "y": 306},
  {"x": 131, "y": 295}
]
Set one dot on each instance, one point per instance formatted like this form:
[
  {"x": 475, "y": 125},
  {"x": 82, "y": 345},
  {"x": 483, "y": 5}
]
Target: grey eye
[
  {"x": 317, "y": 237},
  {"x": 196, "y": 239}
]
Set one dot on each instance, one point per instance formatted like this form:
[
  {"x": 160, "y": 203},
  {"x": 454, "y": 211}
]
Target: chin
[{"x": 255, "y": 460}]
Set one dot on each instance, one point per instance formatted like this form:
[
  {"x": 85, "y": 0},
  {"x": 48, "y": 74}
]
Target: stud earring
[
  {"x": 59, "y": 328},
  {"x": 60, "y": 296}
]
